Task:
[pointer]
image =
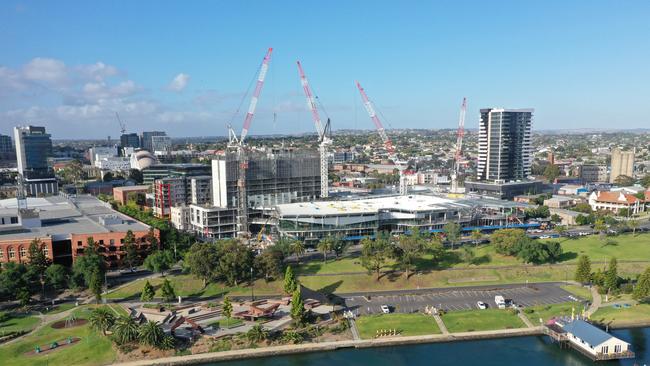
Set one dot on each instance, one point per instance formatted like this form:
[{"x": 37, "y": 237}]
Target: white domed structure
[{"x": 142, "y": 159}]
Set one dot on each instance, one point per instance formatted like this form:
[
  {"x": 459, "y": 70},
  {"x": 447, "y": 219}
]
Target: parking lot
[{"x": 459, "y": 298}]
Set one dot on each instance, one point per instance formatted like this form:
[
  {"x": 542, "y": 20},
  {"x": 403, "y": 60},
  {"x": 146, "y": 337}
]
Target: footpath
[{"x": 330, "y": 346}]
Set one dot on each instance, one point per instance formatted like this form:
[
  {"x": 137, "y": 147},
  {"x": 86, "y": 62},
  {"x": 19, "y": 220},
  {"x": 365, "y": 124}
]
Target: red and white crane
[
  {"x": 459, "y": 147},
  {"x": 240, "y": 147},
  {"x": 388, "y": 144},
  {"x": 323, "y": 132}
]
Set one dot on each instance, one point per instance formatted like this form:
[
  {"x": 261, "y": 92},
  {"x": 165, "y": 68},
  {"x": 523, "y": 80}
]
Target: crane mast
[
  {"x": 403, "y": 188},
  {"x": 323, "y": 137},
  {"x": 122, "y": 125},
  {"x": 240, "y": 147},
  {"x": 459, "y": 146}
]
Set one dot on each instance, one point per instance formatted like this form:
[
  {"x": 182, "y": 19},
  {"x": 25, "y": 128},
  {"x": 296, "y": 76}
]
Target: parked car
[
  {"x": 385, "y": 309},
  {"x": 481, "y": 305}
]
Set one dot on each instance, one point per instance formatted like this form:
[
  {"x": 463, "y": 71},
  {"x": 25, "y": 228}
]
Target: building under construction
[{"x": 273, "y": 177}]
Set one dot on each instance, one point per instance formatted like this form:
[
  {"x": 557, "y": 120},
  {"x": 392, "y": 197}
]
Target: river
[{"x": 528, "y": 351}]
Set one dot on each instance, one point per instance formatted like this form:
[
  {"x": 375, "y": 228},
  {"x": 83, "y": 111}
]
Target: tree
[
  {"x": 583, "y": 270},
  {"x": 452, "y": 232},
  {"x": 101, "y": 319},
  {"x": 151, "y": 334},
  {"x": 476, "y": 236},
  {"x": 269, "y": 263},
  {"x": 159, "y": 261},
  {"x": 633, "y": 224},
  {"x": 38, "y": 261},
  {"x": 556, "y": 219},
  {"x": 645, "y": 181},
  {"x": 57, "y": 276},
  {"x": 642, "y": 289},
  {"x": 551, "y": 172},
  {"x": 290, "y": 282},
  {"x": 508, "y": 241},
  {"x": 235, "y": 261},
  {"x": 88, "y": 265},
  {"x": 467, "y": 254},
  {"x": 16, "y": 281},
  {"x": 167, "y": 291},
  {"x": 226, "y": 309},
  {"x": 374, "y": 254},
  {"x": 148, "y": 292},
  {"x": 131, "y": 250},
  {"x": 257, "y": 334},
  {"x": 202, "y": 260},
  {"x": 125, "y": 329},
  {"x": 583, "y": 207},
  {"x": 136, "y": 175},
  {"x": 435, "y": 248},
  {"x": 297, "y": 308},
  {"x": 73, "y": 172},
  {"x": 624, "y": 181},
  {"x": 611, "y": 276},
  {"x": 152, "y": 239},
  {"x": 339, "y": 246},
  {"x": 95, "y": 285},
  {"x": 601, "y": 228},
  {"x": 297, "y": 248},
  {"x": 325, "y": 245},
  {"x": 108, "y": 176},
  {"x": 408, "y": 249},
  {"x": 560, "y": 229}
]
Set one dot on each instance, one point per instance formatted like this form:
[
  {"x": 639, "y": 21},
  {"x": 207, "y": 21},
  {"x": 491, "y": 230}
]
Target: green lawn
[
  {"x": 19, "y": 323},
  {"x": 627, "y": 247},
  {"x": 93, "y": 349},
  {"x": 406, "y": 324},
  {"x": 579, "y": 291},
  {"x": 227, "y": 323},
  {"x": 546, "y": 312},
  {"x": 634, "y": 315},
  {"x": 476, "y": 320},
  {"x": 60, "y": 308}
]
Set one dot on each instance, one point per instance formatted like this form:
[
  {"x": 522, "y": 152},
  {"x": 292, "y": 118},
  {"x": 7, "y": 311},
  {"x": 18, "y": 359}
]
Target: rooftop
[
  {"x": 586, "y": 331},
  {"x": 61, "y": 216}
]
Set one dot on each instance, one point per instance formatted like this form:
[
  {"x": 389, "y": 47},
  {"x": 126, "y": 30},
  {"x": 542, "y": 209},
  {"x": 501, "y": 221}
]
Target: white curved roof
[{"x": 142, "y": 159}]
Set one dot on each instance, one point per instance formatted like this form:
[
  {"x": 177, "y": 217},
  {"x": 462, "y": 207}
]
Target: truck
[{"x": 500, "y": 301}]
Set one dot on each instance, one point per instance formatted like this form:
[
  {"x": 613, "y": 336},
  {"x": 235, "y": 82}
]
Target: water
[{"x": 528, "y": 351}]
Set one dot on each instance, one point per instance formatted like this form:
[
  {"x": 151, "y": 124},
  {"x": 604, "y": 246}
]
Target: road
[{"x": 461, "y": 298}]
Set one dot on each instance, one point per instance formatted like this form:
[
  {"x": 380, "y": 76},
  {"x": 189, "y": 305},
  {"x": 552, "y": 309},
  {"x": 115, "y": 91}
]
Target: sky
[{"x": 186, "y": 67}]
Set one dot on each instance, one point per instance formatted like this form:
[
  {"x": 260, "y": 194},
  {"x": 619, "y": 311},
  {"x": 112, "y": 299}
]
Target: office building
[
  {"x": 161, "y": 145},
  {"x": 591, "y": 173},
  {"x": 33, "y": 148},
  {"x": 622, "y": 164},
  {"x": 97, "y": 153},
  {"x": 130, "y": 140},
  {"x": 178, "y": 184},
  {"x": 6, "y": 146},
  {"x": 505, "y": 152},
  {"x": 146, "y": 141},
  {"x": 157, "y": 171}
]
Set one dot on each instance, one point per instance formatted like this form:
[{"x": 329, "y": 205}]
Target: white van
[{"x": 500, "y": 301}]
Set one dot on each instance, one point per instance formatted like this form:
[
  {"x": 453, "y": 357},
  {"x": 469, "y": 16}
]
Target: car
[
  {"x": 545, "y": 237},
  {"x": 310, "y": 250},
  {"x": 481, "y": 305},
  {"x": 385, "y": 309}
]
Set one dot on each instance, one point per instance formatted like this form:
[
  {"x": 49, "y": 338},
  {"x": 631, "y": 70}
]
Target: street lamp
[{"x": 252, "y": 286}]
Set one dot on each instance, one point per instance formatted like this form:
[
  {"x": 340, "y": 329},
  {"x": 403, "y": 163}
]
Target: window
[
  {"x": 101, "y": 242},
  {"x": 617, "y": 348},
  {"x": 2, "y": 254},
  {"x": 12, "y": 253},
  {"x": 79, "y": 243},
  {"x": 604, "y": 349},
  {"x": 46, "y": 251},
  {"x": 22, "y": 252},
  {"x": 122, "y": 241},
  {"x": 14, "y": 219},
  {"x": 112, "y": 241}
]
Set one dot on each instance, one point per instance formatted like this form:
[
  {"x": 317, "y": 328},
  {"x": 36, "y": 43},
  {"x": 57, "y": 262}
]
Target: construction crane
[
  {"x": 122, "y": 125},
  {"x": 459, "y": 147},
  {"x": 238, "y": 144},
  {"x": 388, "y": 144},
  {"x": 324, "y": 139}
]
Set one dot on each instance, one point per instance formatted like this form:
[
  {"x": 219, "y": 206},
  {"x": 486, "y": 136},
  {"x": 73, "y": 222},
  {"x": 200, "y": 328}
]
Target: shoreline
[{"x": 249, "y": 353}]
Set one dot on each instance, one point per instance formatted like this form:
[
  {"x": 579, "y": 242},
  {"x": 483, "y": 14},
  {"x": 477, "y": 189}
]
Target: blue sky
[{"x": 184, "y": 66}]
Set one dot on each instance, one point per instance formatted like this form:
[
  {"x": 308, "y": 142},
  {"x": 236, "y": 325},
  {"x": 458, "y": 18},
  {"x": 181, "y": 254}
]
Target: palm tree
[
  {"x": 325, "y": 245},
  {"x": 476, "y": 236},
  {"x": 150, "y": 333},
  {"x": 102, "y": 319},
  {"x": 298, "y": 248},
  {"x": 257, "y": 334},
  {"x": 126, "y": 329}
]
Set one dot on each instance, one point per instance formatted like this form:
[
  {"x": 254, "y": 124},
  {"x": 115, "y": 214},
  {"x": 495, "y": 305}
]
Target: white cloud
[
  {"x": 179, "y": 83},
  {"x": 45, "y": 70},
  {"x": 98, "y": 71}
]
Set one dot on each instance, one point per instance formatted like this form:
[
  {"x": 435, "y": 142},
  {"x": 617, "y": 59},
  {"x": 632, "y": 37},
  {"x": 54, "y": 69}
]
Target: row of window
[{"x": 22, "y": 252}]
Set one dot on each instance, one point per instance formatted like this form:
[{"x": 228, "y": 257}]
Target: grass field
[
  {"x": 476, "y": 320},
  {"x": 18, "y": 323},
  {"x": 93, "y": 349},
  {"x": 60, "y": 308},
  {"x": 546, "y": 312},
  {"x": 406, "y": 324},
  {"x": 579, "y": 291},
  {"x": 636, "y": 314}
]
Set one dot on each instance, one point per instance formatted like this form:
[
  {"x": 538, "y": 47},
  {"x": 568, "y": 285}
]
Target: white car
[
  {"x": 310, "y": 250},
  {"x": 385, "y": 309},
  {"x": 481, "y": 305}
]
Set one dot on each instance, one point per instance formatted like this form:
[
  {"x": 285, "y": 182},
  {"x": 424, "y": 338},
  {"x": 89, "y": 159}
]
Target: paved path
[
  {"x": 353, "y": 328},
  {"x": 46, "y": 319},
  {"x": 596, "y": 301},
  {"x": 441, "y": 324},
  {"x": 525, "y": 319},
  {"x": 330, "y": 346}
]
